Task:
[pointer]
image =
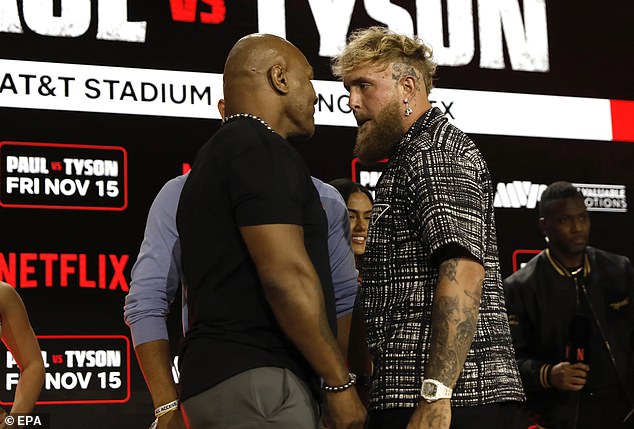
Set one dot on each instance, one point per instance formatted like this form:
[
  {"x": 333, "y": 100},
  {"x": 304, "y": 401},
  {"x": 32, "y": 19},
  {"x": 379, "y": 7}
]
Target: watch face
[{"x": 429, "y": 389}]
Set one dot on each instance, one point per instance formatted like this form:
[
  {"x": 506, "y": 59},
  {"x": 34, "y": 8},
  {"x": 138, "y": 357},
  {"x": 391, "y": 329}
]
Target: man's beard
[{"x": 382, "y": 136}]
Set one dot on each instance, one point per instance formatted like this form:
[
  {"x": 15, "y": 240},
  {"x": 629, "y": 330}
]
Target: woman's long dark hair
[{"x": 346, "y": 187}]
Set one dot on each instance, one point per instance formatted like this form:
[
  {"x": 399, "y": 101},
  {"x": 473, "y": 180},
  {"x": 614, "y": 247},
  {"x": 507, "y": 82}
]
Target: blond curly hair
[{"x": 381, "y": 46}]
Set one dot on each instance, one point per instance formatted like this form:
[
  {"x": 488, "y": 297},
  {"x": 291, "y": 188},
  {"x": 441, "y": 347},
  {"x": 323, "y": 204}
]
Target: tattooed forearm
[
  {"x": 443, "y": 362},
  {"x": 454, "y": 320},
  {"x": 466, "y": 328},
  {"x": 438, "y": 418},
  {"x": 448, "y": 269}
]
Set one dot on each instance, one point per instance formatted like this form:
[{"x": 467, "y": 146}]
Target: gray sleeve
[
  {"x": 157, "y": 271},
  {"x": 344, "y": 274}
]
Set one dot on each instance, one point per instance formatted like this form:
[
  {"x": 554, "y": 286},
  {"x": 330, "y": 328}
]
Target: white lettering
[
  {"x": 29, "y": 420},
  {"x": 45, "y": 358},
  {"x": 10, "y": 360},
  {"x": 27, "y": 164},
  {"x": 66, "y": 380},
  {"x": 93, "y": 358},
  {"x": 66, "y": 187},
  {"x": 460, "y": 30},
  {"x": 369, "y": 178},
  {"x": 272, "y": 17},
  {"x": 25, "y": 185},
  {"x": 527, "y": 40},
  {"x": 12, "y": 380},
  {"x": 114, "y": 25},
  {"x": 9, "y": 17},
  {"x": 500, "y": 21},
  {"x": 333, "y": 20},
  {"x": 91, "y": 167},
  {"x": 73, "y": 21},
  {"x": 397, "y": 18}
]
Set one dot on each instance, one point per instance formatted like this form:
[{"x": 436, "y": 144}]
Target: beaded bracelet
[
  {"x": 164, "y": 409},
  {"x": 349, "y": 384}
]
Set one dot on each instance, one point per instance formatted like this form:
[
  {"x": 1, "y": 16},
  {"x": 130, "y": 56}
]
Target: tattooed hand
[{"x": 434, "y": 415}]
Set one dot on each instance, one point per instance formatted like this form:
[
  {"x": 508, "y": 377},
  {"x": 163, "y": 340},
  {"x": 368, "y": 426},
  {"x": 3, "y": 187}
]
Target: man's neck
[
  {"x": 408, "y": 121},
  {"x": 570, "y": 261}
]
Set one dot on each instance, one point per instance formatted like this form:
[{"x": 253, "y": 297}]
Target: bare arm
[
  {"x": 343, "y": 333},
  {"x": 19, "y": 338},
  {"x": 359, "y": 358},
  {"x": 155, "y": 360},
  {"x": 292, "y": 288},
  {"x": 454, "y": 319}
]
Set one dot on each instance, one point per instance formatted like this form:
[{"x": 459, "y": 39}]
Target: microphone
[{"x": 579, "y": 334}]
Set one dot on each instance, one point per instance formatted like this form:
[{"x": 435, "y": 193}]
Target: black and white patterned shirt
[{"x": 435, "y": 191}]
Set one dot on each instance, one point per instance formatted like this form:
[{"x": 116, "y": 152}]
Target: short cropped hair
[
  {"x": 346, "y": 187},
  {"x": 557, "y": 191},
  {"x": 380, "y": 46}
]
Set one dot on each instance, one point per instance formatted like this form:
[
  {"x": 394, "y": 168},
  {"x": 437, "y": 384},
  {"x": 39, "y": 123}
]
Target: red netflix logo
[
  {"x": 32, "y": 270},
  {"x": 575, "y": 354}
]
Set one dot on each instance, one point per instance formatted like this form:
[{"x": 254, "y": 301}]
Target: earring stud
[{"x": 408, "y": 110}]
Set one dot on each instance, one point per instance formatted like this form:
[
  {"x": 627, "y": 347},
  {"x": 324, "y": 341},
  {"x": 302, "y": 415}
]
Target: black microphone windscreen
[{"x": 580, "y": 330}]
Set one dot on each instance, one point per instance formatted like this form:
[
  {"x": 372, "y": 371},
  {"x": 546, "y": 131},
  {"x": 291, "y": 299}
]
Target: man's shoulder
[
  {"x": 442, "y": 130},
  {"x": 442, "y": 138},
  {"x": 327, "y": 191},
  {"x": 331, "y": 199},
  {"x": 174, "y": 185},
  {"x": 167, "y": 198},
  {"x": 603, "y": 257}
]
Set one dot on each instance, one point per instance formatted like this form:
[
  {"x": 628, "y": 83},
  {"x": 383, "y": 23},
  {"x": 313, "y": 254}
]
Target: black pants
[
  {"x": 603, "y": 409},
  {"x": 505, "y": 415}
]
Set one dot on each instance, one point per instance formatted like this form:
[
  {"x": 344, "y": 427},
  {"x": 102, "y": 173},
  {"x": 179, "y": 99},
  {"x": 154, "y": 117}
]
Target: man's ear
[
  {"x": 278, "y": 79},
  {"x": 221, "y": 108},
  {"x": 410, "y": 87}
]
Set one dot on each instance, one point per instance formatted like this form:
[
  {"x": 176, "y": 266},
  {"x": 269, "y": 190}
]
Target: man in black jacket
[{"x": 571, "y": 313}]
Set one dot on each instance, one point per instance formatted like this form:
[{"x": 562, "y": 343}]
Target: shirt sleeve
[
  {"x": 344, "y": 273},
  {"x": 448, "y": 204},
  {"x": 157, "y": 271}
]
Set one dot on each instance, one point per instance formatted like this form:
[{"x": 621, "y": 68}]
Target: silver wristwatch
[{"x": 433, "y": 390}]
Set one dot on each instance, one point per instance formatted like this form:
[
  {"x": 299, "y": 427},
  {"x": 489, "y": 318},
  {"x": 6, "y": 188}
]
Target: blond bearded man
[{"x": 431, "y": 297}]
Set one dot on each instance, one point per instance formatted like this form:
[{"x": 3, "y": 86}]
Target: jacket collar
[{"x": 563, "y": 271}]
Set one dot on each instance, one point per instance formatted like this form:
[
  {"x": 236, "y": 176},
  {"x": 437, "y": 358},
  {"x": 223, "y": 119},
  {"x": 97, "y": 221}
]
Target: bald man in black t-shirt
[{"x": 255, "y": 258}]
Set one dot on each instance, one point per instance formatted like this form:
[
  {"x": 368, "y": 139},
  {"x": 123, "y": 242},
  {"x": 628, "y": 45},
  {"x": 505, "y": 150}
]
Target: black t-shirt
[{"x": 244, "y": 175}]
